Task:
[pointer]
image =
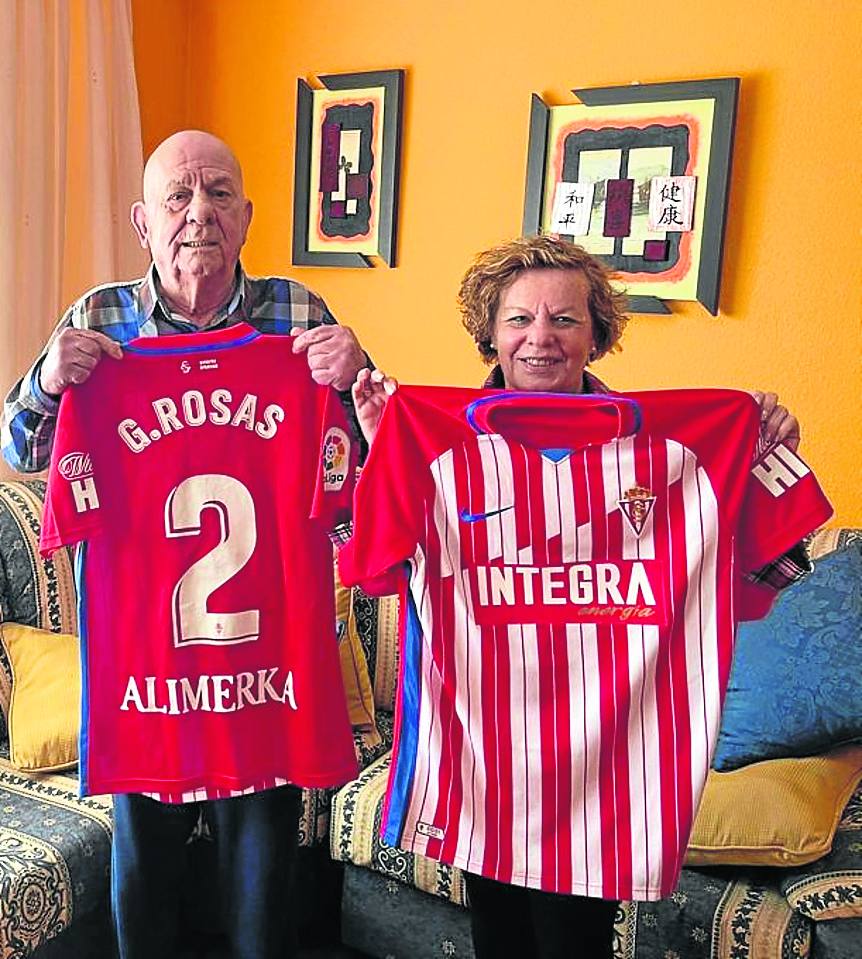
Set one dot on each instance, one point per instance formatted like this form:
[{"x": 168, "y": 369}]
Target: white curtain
[{"x": 70, "y": 163}]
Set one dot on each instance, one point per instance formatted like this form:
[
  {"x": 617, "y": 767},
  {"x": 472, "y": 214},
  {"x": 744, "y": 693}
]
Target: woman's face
[{"x": 543, "y": 332}]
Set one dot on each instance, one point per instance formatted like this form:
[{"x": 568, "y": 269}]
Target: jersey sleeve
[
  {"x": 73, "y": 509},
  {"x": 336, "y": 474},
  {"x": 783, "y": 504},
  {"x": 389, "y": 507}
]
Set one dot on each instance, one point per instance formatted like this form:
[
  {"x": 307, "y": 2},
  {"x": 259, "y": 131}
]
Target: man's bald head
[
  {"x": 194, "y": 216},
  {"x": 187, "y": 147}
]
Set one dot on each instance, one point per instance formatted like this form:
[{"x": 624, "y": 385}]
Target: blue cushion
[{"x": 796, "y": 683}]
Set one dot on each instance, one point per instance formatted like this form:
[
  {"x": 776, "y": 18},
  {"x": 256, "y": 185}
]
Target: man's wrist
[{"x": 49, "y": 401}]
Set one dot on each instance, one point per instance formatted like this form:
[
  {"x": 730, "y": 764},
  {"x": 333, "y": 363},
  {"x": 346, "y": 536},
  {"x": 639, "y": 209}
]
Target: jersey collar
[
  {"x": 555, "y": 423},
  {"x": 225, "y": 338}
]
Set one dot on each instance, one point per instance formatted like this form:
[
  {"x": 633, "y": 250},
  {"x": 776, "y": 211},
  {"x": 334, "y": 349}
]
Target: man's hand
[
  {"x": 73, "y": 356},
  {"x": 777, "y": 423},
  {"x": 333, "y": 352},
  {"x": 370, "y": 393}
]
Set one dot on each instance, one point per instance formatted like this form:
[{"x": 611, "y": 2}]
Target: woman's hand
[
  {"x": 370, "y": 392},
  {"x": 777, "y": 423}
]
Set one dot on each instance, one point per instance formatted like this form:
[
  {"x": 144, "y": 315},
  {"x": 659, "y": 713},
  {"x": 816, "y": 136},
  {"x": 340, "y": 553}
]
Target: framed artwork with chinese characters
[
  {"x": 348, "y": 142},
  {"x": 638, "y": 175}
]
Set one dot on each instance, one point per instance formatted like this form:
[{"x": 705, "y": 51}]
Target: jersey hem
[
  {"x": 104, "y": 787},
  {"x": 591, "y": 890}
]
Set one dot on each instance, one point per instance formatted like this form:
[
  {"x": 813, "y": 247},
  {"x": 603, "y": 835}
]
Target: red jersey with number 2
[{"x": 202, "y": 473}]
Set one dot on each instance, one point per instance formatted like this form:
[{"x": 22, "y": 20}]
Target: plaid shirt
[
  {"x": 778, "y": 574},
  {"x": 124, "y": 311}
]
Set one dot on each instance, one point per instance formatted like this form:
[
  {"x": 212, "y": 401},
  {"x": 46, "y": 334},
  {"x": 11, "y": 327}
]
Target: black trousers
[
  {"x": 511, "y": 922},
  {"x": 154, "y": 886}
]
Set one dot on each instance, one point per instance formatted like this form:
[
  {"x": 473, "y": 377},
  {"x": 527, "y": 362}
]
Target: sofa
[
  {"x": 774, "y": 868},
  {"x": 55, "y": 846}
]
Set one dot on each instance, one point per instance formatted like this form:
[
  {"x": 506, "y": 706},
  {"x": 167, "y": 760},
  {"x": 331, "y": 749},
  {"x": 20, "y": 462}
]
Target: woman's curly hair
[{"x": 493, "y": 270}]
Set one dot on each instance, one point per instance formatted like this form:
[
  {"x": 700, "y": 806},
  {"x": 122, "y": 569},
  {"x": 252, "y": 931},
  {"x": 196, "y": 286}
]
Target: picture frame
[
  {"x": 620, "y": 139},
  {"x": 346, "y": 169}
]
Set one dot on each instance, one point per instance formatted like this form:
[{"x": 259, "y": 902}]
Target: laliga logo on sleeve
[
  {"x": 336, "y": 458},
  {"x": 77, "y": 468},
  {"x": 636, "y": 505}
]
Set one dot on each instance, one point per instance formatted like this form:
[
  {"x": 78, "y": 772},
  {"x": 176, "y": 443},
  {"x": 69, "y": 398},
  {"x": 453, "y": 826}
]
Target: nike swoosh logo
[{"x": 477, "y": 517}]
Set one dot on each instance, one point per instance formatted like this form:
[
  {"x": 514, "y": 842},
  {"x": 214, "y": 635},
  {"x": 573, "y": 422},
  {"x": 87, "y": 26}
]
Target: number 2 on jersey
[{"x": 184, "y": 507}]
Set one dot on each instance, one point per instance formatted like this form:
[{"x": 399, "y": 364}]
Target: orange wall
[
  {"x": 160, "y": 32},
  {"x": 790, "y": 301}
]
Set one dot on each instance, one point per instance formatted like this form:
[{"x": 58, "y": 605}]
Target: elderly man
[{"x": 194, "y": 218}]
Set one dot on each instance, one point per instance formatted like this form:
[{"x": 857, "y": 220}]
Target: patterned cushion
[
  {"x": 714, "y": 915},
  {"x": 54, "y": 857},
  {"x": 355, "y": 838},
  {"x": 33, "y": 591},
  {"x": 796, "y": 684},
  {"x": 831, "y": 888},
  {"x": 377, "y": 625}
]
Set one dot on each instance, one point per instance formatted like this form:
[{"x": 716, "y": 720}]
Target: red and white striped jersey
[{"x": 568, "y": 624}]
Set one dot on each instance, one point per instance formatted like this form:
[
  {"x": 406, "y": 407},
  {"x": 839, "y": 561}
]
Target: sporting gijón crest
[{"x": 636, "y": 505}]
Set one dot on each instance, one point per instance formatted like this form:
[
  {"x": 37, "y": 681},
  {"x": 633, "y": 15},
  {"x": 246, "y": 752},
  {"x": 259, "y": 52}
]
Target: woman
[
  {"x": 546, "y": 349},
  {"x": 541, "y": 309}
]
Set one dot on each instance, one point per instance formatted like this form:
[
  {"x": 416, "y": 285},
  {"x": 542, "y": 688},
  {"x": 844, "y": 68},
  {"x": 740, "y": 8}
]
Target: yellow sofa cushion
[
  {"x": 46, "y": 692},
  {"x": 781, "y": 812},
  {"x": 354, "y": 668}
]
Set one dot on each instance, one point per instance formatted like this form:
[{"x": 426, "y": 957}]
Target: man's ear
[
  {"x": 249, "y": 210},
  {"x": 138, "y": 215}
]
